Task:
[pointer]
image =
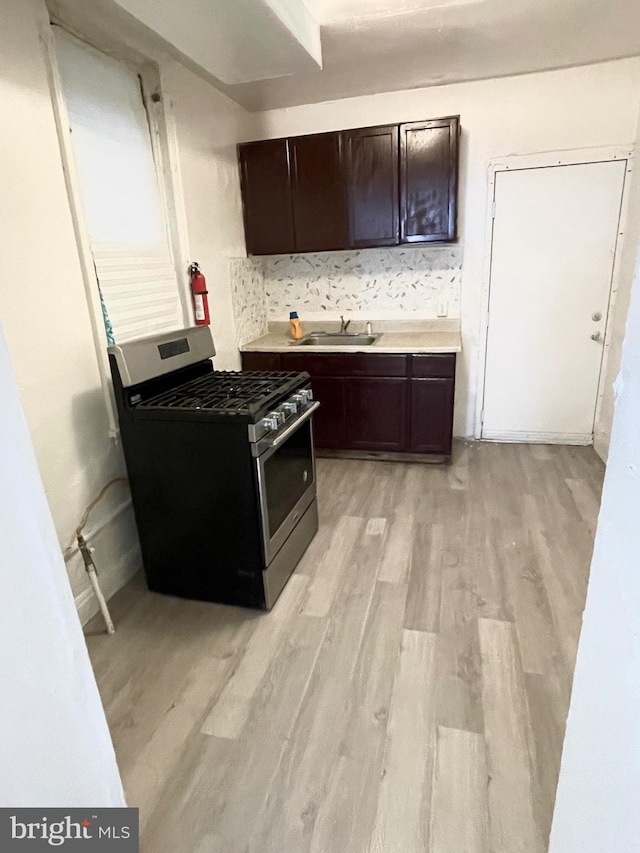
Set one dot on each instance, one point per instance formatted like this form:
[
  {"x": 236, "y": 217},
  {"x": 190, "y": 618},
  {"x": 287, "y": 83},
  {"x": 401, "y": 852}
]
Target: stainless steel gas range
[{"x": 221, "y": 466}]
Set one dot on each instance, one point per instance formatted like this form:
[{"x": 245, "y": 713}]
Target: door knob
[
  {"x": 596, "y": 336},
  {"x": 596, "y": 316}
]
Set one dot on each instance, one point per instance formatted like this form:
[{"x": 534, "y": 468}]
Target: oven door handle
[{"x": 277, "y": 441}]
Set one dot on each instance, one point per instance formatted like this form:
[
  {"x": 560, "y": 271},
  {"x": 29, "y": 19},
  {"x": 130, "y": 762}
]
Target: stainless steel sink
[{"x": 344, "y": 339}]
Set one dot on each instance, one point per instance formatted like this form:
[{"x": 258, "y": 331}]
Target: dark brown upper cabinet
[
  {"x": 375, "y": 186},
  {"x": 370, "y": 164},
  {"x": 429, "y": 180},
  {"x": 318, "y": 193},
  {"x": 266, "y": 197}
]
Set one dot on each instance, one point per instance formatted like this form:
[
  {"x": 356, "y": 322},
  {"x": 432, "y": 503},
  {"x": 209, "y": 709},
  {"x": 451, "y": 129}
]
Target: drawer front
[
  {"x": 316, "y": 364},
  {"x": 346, "y": 364},
  {"x": 261, "y": 361},
  {"x": 435, "y": 366},
  {"x": 366, "y": 364}
]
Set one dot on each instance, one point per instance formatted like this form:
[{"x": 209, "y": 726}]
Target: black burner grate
[{"x": 227, "y": 392}]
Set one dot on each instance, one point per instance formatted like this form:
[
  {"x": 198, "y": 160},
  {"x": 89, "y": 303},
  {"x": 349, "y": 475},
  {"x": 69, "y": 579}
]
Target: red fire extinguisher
[{"x": 199, "y": 292}]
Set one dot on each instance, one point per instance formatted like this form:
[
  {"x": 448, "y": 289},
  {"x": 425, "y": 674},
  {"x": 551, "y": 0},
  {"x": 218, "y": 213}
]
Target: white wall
[
  {"x": 43, "y": 306},
  {"x": 597, "y": 800},
  {"x": 576, "y": 108},
  {"x": 55, "y": 745},
  {"x": 209, "y": 126},
  {"x": 617, "y": 321},
  {"x": 42, "y": 300}
]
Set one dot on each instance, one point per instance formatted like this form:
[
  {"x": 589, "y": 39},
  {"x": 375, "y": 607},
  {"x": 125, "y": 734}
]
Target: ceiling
[
  {"x": 236, "y": 41},
  {"x": 371, "y": 46}
]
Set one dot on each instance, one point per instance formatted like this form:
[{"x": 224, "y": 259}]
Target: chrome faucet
[{"x": 344, "y": 325}]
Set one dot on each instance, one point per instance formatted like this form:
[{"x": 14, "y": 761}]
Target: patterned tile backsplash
[
  {"x": 249, "y": 299},
  {"x": 391, "y": 283},
  {"x": 376, "y": 283}
]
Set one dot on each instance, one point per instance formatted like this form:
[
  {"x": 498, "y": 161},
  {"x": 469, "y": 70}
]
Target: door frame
[{"x": 543, "y": 160}]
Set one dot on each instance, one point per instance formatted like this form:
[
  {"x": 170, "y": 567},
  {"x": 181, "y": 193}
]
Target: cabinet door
[
  {"x": 261, "y": 361},
  {"x": 329, "y": 420},
  {"x": 428, "y": 180},
  {"x": 376, "y": 413},
  {"x": 319, "y": 204},
  {"x": 431, "y": 416},
  {"x": 371, "y": 173},
  {"x": 266, "y": 197}
]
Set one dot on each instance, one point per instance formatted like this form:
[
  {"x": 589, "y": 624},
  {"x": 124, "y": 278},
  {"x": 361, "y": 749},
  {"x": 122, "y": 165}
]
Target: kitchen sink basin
[{"x": 326, "y": 339}]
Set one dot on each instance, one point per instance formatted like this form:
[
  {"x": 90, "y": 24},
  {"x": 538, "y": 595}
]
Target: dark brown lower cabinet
[
  {"x": 329, "y": 422},
  {"x": 376, "y": 413},
  {"x": 431, "y": 422},
  {"x": 375, "y": 402}
]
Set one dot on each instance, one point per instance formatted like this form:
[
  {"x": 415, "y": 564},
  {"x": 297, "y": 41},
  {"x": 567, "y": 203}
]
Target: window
[{"x": 123, "y": 207}]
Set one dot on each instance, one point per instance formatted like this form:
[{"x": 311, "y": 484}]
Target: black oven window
[{"x": 287, "y": 475}]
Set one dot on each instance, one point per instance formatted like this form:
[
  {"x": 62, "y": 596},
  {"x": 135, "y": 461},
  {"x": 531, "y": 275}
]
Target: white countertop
[{"x": 408, "y": 336}]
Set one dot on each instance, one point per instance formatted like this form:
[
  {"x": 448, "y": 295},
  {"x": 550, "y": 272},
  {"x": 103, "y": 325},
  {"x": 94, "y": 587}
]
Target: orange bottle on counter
[{"x": 296, "y": 328}]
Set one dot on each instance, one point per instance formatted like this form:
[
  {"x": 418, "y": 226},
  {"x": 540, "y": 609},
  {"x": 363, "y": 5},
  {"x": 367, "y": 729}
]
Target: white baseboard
[
  {"x": 111, "y": 580},
  {"x": 538, "y": 437}
]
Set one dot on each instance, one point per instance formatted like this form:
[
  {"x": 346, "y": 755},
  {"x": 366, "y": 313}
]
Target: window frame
[{"x": 160, "y": 111}]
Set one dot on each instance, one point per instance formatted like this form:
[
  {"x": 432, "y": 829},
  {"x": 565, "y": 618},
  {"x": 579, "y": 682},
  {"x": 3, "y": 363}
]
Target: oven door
[{"x": 286, "y": 481}]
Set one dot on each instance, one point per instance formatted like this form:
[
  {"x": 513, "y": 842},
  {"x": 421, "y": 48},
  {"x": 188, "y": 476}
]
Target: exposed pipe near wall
[
  {"x": 93, "y": 577},
  {"x": 87, "y": 557}
]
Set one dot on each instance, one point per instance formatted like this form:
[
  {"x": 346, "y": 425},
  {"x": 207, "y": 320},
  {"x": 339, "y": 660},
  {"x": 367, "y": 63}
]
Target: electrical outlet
[{"x": 443, "y": 308}]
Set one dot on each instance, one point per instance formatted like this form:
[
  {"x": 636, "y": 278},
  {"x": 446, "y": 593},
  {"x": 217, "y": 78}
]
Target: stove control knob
[
  {"x": 290, "y": 407},
  {"x": 299, "y": 399},
  {"x": 307, "y": 394},
  {"x": 272, "y": 421},
  {"x": 281, "y": 415}
]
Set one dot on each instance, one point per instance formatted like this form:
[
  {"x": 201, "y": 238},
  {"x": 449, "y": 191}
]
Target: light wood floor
[{"x": 409, "y": 691}]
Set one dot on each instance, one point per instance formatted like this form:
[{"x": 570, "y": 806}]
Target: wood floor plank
[
  {"x": 348, "y": 808},
  {"x": 186, "y": 809},
  {"x": 229, "y": 714},
  {"x": 458, "y": 474},
  {"x": 425, "y": 578},
  {"x": 548, "y": 706},
  {"x": 166, "y": 641},
  {"x": 535, "y": 629},
  {"x": 402, "y": 818},
  {"x": 587, "y": 501},
  {"x": 565, "y": 582},
  {"x": 326, "y": 579},
  {"x": 415, "y": 492},
  {"x": 376, "y": 527},
  {"x": 458, "y": 665},
  {"x": 335, "y": 492},
  {"x": 316, "y": 741},
  {"x": 459, "y": 810},
  {"x": 396, "y": 558},
  {"x": 513, "y": 828},
  {"x": 491, "y": 591},
  {"x": 312, "y": 557},
  {"x": 159, "y": 758},
  {"x": 272, "y": 719},
  {"x": 232, "y": 800}
]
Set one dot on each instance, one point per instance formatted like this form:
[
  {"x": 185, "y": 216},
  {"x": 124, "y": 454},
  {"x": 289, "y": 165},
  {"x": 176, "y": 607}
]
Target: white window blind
[{"x": 123, "y": 207}]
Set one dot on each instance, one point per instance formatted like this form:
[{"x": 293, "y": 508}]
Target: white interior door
[{"x": 554, "y": 241}]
